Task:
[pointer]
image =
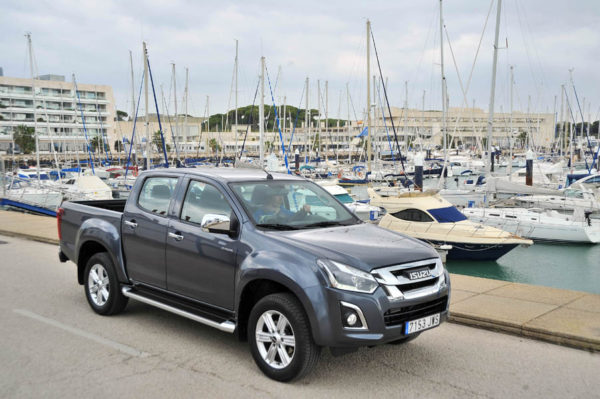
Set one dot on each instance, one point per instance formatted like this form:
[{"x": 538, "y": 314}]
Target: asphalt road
[{"x": 54, "y": 346}]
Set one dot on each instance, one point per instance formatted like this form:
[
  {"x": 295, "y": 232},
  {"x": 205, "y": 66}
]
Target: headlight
[{"x": 348, "y": 278}]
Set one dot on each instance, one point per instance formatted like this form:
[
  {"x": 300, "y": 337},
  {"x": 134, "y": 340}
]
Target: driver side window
[{"x": 203, "y": 199}]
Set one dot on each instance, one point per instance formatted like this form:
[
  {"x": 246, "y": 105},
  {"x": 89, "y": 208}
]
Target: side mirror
[{"x": 215, "y": 223}]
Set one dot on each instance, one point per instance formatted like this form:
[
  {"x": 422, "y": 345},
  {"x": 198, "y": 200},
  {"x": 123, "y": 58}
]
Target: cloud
[{"x": 322, "y": 40}]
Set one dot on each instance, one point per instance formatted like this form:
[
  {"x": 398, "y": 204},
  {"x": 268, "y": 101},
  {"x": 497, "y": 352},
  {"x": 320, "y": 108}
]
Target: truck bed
[{"x": 117, "y": 205}]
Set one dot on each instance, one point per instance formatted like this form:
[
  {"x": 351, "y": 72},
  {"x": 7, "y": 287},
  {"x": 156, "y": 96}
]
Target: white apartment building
[
  {"x": 55, "y": 112},
  {"x": 467, "y": 126}
]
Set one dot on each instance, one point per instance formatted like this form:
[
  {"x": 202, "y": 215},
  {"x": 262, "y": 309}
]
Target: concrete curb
[
  {"x": 525, "y": 331},
  {"x": 29, "y": 237}
]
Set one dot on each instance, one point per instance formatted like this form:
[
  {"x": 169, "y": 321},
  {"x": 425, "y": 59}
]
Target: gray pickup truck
[{"x": 273, "y": 258}]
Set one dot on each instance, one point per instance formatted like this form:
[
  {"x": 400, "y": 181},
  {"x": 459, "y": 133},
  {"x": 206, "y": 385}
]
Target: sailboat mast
[
  {"x": 132, "y": 92},
  {"x": 185, "y": 118},
  {"x": 261, "y": 112},
  {"x": 175, "y": 100},
  {"x": 490, "y": 124},
  {"x": 307, "y": 122},
  {"x": 444, "y": 95},
  {"x": 348, "y": 123},
  {"x": 369, "y": 133},
  {"x": 236, "y": 101},
  {"x": 35, "y": 132},
  {"x": 510, "y": 133},
  {"x": 148, "y": 151}
]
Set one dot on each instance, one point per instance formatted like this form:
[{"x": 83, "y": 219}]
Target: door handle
[
  {"x": 131, "y": 223},
  {"x": 176, "y": 237}
]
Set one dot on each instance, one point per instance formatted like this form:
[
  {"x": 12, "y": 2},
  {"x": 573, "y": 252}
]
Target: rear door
[
  {"x": 144, "y": 230},
  {"x": 201, "y": 265}
]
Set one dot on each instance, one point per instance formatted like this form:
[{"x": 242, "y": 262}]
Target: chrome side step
[{"x": 226, "y": 326}]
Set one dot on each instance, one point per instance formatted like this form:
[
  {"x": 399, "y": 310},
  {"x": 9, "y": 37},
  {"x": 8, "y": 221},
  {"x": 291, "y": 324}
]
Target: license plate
[{"x": 422, "y": 324}]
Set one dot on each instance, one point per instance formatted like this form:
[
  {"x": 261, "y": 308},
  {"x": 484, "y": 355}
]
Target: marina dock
[{"x": 564, "y": 317}]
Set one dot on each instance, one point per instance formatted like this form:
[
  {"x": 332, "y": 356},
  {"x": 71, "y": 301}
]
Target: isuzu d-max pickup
[{"x": 273, "y": 258}]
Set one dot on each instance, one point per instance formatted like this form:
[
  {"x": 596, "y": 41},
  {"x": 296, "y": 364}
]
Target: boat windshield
[
  {"x": 447, "y": 215},
  {"x": 291, "y": 205},
  {"x": 344, "y": 198}
]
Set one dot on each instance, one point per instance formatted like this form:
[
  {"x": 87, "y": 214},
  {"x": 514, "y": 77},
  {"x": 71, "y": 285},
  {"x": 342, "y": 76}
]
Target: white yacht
[{"x": 540, "y": 224}]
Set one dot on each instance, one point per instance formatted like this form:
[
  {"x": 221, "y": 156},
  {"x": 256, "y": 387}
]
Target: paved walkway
[{"x": 560, "y": 316}]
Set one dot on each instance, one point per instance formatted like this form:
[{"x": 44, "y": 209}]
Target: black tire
[
  {"x": 305, "y": 352},
  {"x": 404, "y": 339},
  {"x": 116, "y": 301}
]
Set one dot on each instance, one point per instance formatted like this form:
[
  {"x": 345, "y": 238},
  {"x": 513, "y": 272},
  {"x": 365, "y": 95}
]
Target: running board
[{"x": 226, "y": 326}]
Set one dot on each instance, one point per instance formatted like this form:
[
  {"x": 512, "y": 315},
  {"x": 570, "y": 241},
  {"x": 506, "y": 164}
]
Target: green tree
[
  {"x": 23, "y": 136},
  {"x": 94, "y": 144},
  {"x": 214, "y": 146},
  {"x": 522, "y": 137},
  {"x": 157, "y": 141},
  {"x": 122, "y": 115}
]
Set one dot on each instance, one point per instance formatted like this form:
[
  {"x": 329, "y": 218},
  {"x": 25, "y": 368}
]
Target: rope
[{"x": 277, "y": 120}]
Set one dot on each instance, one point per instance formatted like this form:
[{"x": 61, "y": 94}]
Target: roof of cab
[{"x": 226, "y": 174}]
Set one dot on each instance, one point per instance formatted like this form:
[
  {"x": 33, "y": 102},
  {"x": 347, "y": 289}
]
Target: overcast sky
[{"x": 322, "y": 40}]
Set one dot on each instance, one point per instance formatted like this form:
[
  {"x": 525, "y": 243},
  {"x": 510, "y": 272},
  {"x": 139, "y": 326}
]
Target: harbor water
[{"x": 571, "y": 267}]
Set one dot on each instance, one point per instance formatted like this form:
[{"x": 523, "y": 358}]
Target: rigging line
[
  {"x": 387, "y": 102},
  {"x": 327, "y": 127},
  {"x": 278, "y": 127},
  {"x": 206, "y": 119},
  {"x": 296, "y": 119},
  {"x": 478, "y": 46},
  {"x": 158, "y": 115},
  {"x": 166, "y": 107},
  {"x": 251, "y": 117},
  {"x": 131, "y": 144},
  {"x": 87, "y": 142},
  {"x": 385, "y": 125},
  {"x": 582, "y": 119}
]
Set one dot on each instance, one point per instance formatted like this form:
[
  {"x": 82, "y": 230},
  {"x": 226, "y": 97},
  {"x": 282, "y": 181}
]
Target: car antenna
[{"x": 269, "y": 176}]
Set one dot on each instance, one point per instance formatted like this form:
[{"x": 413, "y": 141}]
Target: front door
[
  {"x": 200, "y": 264},
  {"x": 144, "y": 231}
]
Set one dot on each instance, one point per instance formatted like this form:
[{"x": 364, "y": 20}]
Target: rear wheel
[
  {"x": 280, "y": 338},
  {"x": 102, "y": 287}
]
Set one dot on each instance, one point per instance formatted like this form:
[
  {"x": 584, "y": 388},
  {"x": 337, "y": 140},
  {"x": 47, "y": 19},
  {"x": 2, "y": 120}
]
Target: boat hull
[{"x": 478, "y": 252}]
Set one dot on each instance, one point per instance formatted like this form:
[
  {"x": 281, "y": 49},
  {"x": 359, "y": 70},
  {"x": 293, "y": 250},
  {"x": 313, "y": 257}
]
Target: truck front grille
[{"x": 398, "y": 316}]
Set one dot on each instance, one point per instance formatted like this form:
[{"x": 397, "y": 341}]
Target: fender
[
  {"x": 107, "y": 235},
  {"x": 299, "y": 274}
]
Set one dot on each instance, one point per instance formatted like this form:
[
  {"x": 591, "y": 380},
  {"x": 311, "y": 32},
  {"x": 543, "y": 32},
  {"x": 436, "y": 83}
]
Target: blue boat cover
[{"x": 447, "y": 215}]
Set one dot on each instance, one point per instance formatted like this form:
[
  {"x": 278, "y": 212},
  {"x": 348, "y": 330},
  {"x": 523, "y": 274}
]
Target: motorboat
[{"x": 430, "y": 218}]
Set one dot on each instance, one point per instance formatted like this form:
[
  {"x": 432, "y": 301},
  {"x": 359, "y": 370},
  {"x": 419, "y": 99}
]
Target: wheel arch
[{"x": 259, "y": 287}]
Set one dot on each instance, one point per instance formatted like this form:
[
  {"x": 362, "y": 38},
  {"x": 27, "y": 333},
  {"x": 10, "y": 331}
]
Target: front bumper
[{"x": 385, "y": 318}]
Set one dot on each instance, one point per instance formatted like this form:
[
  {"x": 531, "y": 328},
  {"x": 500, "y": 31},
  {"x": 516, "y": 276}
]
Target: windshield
[
  {"x": 289, "y": 205},
  {"x": 344, "y": 198},
  {"x": 447, "y": 215}
]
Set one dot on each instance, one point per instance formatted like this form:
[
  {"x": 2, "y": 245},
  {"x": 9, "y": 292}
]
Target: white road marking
[{"x": 96, "y": 338}]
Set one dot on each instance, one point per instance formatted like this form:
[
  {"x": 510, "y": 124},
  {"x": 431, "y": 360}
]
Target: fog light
[
  {"x": 352, "y": 316},
  {"x": 351, "y": 319}
]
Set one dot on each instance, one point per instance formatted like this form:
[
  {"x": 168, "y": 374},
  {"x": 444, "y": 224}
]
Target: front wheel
[
  {"x": 280, "y": 338},
  {"x": 102, "y": 287}
]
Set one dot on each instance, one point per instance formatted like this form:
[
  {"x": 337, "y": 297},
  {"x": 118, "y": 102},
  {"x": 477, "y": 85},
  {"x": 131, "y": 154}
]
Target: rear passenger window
[
  {"x": 203, "y": 199},
  {"x": 156, "y": 194}
]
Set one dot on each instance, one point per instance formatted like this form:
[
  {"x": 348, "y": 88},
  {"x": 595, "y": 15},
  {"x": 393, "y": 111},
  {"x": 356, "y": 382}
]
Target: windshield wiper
[
  {"x": 277, "y": 226},
  {"x": 327, "y": 223}
]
